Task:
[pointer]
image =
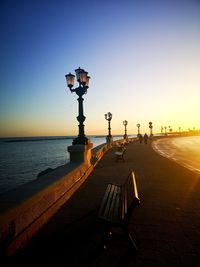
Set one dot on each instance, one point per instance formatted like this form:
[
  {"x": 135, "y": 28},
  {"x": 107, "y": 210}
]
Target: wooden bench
[
  {"x": 120, "y": 153},
  {"x": 117, "y": 206}
]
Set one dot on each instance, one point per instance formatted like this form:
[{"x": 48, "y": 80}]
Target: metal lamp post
[
  {"x": 83, "y": 80},
  {"x": 151, "y": 127},
  {"x": 108, "y": 117},
  {"x": 138, "y": 125},
  {"x": 162, "y": 129},
  {"x": 125, "y": 124},
  {"x": 165, "y": 130}
]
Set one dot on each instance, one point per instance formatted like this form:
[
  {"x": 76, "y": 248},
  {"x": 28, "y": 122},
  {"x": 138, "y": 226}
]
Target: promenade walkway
[{"x": 166, "y": 225}]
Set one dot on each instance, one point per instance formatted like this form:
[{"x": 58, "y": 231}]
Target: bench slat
[
  {"x": 130, "y": 189},
  {"x": 117, "y": 205},
  {"x": 113, "y": 205},
  {"x": 118, "y": 200},
  {"x": 124, "y": 202},
  {"x": 104, "y": 201},
  {"x": 135, "y": 187},
  {"x": 109, "y": 201}
]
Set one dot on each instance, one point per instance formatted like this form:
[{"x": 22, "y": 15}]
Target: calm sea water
[
  {"x": 21, "y": 161},
  {"x": 183, "y": 150}
]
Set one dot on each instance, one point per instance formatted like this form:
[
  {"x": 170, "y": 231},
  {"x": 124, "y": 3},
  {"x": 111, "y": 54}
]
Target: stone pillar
[
  {"x": 81, "y": 153},
  {"x": 109, "y": 140}
]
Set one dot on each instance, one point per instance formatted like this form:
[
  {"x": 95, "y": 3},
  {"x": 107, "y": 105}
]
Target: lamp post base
[
  {"x": 126, "y": 137},
  {"x": 81, "y": 141},
  {"x": 80, "y": 153},
  {"x": 109, "y": 139}
]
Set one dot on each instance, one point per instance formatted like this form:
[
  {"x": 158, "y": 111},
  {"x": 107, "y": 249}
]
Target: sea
[
  {"x": 184, "y": 150},
  {"x": 23, "y": 158}
]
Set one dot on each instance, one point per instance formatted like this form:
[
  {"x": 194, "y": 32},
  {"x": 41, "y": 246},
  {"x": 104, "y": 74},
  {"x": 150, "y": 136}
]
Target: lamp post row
[{"x": 83, "y": 84}]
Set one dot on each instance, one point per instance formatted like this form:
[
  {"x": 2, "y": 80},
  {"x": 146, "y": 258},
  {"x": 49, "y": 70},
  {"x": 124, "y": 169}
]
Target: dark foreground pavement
[{"x": 166, "y": 225}]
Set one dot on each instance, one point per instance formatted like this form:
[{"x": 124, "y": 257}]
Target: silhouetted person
[
  {"x": 145, "y": 138},
  {"x": 140, "y": 138}
]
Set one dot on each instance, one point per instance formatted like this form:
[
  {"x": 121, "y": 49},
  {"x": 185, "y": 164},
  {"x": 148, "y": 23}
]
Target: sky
[{"x": 143, "y": 58}]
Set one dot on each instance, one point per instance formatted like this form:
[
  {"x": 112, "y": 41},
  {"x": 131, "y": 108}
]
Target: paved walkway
[{"x": 166, "y": 225}]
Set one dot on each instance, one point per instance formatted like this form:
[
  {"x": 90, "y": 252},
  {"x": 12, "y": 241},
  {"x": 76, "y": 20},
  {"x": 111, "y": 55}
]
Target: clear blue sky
[{"x": 143, "y": 58}]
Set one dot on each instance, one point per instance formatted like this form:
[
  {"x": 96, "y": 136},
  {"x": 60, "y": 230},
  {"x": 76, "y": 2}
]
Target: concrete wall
[{"x": 23, "y": 211}]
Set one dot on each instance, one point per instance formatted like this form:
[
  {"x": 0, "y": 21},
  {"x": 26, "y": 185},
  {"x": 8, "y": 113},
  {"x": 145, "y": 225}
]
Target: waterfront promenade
[{"x": 166, "y": 225}]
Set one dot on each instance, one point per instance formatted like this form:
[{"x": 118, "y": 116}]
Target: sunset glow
[{"x": 143, "y": 59}]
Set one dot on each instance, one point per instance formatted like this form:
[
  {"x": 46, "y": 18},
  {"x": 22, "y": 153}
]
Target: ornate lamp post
[
  {"x": 165, "y": 130},
  {"x": 151, "y": 127},
  {"x": 108, "y": 117},
  {"x": 162, "y": 129},
  {"x": 81, "y": 147},
  {"x": 125, "y": 124},
  {"x": 83, "y": 80},
  {"x": 138, "y": 125}
]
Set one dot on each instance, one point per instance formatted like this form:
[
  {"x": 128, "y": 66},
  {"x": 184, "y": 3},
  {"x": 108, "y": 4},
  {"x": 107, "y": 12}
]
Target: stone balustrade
[{"x": 24, "y": 210}]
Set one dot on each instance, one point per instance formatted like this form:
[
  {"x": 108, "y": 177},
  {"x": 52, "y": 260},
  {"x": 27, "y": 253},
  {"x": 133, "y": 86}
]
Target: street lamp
[
  {"x": 125, "y": 124},
  {"x": 83, "y": 80},
  {"x": 108, "y": 117},
  {"x": 151, "y": 127},
  {"x": 165, "y": 130},
  {"x": 138, "y": 125}
]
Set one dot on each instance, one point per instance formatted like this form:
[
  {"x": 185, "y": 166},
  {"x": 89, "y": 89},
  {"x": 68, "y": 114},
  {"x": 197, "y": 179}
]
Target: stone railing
[{"x": 23, "y": 211}]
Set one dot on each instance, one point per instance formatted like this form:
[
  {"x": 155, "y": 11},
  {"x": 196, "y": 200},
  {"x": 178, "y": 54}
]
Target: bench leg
[
  {"x": 132, "y": 242},
  {"x": 106, "y": 240},
  {"x": 108, "y": 236},
  {"x": 130, "y": 238}
]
